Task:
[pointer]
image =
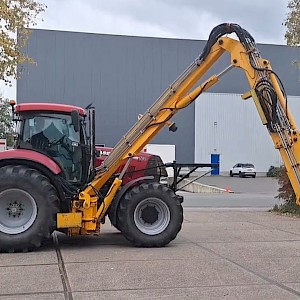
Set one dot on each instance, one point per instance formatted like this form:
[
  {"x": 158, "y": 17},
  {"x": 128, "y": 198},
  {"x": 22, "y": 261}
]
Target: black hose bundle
[
  {"x": 268, "y": 101},
  {"x": 265, "y": 91},
  {"x": 69, "y": 189},
  {"x": 226, "y": 28}
]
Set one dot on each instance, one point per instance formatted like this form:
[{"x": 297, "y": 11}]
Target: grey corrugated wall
[{"x": 123, "y": 75}]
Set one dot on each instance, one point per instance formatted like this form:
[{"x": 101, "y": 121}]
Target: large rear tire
[
  {"x": 116, "y": 225},
  {"x": 28, "y": 207},
  {"x": 150, "y": 215}
]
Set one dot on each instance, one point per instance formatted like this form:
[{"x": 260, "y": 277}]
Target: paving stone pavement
[{"x": 219, "y": 254}]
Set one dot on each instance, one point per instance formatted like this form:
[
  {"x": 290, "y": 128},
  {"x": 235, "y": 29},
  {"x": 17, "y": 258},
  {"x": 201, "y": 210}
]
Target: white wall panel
[{"x": 227, "y": 125}]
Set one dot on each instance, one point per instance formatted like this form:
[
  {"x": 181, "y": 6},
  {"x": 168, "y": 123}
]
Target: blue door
[{"x": 215, "y": 159}]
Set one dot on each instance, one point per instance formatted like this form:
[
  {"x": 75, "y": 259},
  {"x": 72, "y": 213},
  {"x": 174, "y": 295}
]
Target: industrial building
[{"x": 123, "y": 75}]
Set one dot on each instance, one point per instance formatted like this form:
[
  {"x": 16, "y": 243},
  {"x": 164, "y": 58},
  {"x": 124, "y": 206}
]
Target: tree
[
  {"x": 15, "y": 18},
  {"x": 6, "y": 122},
  {"x": 292, "y": 37},
  {"x": 292, "y": 34},
  {"x": 287, "y": 194}
]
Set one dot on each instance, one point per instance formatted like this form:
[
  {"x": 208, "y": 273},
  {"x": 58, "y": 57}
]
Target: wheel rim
[
  {"x": 18, "y": 211},
  {"x": 152, "y": 216}
]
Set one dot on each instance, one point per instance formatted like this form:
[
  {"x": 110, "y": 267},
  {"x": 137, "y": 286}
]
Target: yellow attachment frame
[
  {"x": 89, "y": 217},
  {"x": 69, "y": 220}
]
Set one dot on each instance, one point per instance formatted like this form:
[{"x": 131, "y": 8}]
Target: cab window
[{"x": 54, "y": 135}]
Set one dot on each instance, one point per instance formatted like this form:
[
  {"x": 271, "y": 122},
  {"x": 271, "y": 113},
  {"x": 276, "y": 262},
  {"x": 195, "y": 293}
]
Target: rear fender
[
  {"x": 30, "y": 156},
  {"x": 114, "y": 206},
  {"x": 35, "y": 160}
]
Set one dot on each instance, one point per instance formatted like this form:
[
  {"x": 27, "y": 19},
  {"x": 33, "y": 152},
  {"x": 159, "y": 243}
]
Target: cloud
[{"x": 189, "y": 19}]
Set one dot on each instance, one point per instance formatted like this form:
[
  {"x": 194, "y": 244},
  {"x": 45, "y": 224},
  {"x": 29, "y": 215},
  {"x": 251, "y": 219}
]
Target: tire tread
[
  {"x": 41, "y": 233},
  {"x": 130, "y": 231}
]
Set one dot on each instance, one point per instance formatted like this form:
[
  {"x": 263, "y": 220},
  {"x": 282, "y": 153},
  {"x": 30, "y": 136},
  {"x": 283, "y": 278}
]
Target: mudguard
[{"x": 31, "y": 156}]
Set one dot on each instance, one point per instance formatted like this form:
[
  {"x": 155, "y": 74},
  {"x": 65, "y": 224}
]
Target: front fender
[{"x": 29, "y": 155}]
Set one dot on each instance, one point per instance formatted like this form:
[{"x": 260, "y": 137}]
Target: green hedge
[{"x": 287, "y": 194}]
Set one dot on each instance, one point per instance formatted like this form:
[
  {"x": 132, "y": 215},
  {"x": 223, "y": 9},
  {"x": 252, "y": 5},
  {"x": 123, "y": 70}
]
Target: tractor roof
[{"x": 59, "y": 108}]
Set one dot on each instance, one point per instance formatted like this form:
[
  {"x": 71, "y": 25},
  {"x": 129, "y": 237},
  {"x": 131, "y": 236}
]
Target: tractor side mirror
[{"x": 75, "y": 120}]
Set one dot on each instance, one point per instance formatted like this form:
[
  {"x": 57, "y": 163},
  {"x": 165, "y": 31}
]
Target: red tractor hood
[
  {"x": 143, "y": 164},
  {"x": 103, "y": 152}
]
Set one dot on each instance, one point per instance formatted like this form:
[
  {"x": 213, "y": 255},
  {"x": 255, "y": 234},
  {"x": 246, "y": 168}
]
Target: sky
[{"x": 184, "y": 19}]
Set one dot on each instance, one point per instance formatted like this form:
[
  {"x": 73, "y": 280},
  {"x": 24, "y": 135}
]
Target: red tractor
[{"x": 52, "y": 160}]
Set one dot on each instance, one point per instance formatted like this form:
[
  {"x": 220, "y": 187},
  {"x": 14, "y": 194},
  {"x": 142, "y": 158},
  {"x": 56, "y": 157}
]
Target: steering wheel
[{"x": 57, "y": 141}]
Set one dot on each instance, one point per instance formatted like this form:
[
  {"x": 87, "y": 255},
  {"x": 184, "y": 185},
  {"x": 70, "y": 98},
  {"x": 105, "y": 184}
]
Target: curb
[{"x": 196, "y": 187}]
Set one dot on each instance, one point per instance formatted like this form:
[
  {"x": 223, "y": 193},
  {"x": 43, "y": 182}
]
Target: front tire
[
  {"x": 150, "y": 215},
  {"x": 28, "y": 207}
]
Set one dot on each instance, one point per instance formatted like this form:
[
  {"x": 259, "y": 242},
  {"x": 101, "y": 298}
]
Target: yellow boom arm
[{"x": 265, "y": 89}]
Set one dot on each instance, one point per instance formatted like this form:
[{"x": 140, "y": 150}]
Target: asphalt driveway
[{"x": 258, "y": 185}]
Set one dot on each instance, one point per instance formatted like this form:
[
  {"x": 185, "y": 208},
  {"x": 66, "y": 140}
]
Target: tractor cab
[{"x": 57, "y": 131}]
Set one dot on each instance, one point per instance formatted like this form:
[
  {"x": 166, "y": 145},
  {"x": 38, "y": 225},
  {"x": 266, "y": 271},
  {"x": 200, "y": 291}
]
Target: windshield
[
  {"x": 54, "y": 135},
  {"x": 248, "y": 166},
  {"x": 53, "y": 127}
]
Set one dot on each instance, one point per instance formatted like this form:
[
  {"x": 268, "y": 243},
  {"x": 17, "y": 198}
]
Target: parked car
[{"x": 243, "y": 170}]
